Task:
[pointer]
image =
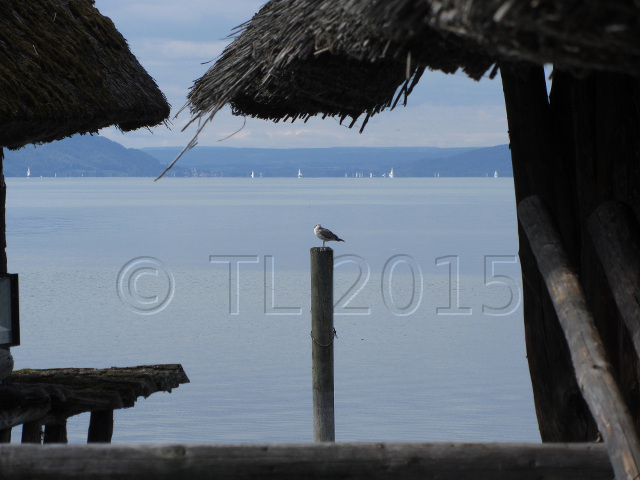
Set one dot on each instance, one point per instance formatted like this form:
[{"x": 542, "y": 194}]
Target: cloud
[{"x": 169, "y": 50}]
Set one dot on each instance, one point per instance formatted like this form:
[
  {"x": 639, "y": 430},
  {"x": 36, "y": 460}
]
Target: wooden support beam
[
  {"x": 615, "y": 235},
  {"x": 56, "y": 432},
  {"x": 100, "y": 426},
  {"x": 32, "y": 432},
  {"x": 593, "y": 371},
  {"x": 317, "y": 461},
  {"x": 22, "y": 405}
]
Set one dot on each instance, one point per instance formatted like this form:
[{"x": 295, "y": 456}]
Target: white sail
[
  {"x": 495, "y": 174},
  {"x": 299, "y": 174},
  {"x": 252, "y": 175},
  {"x": 391, "y": 173},
  {"x": 28, "y": 172}
]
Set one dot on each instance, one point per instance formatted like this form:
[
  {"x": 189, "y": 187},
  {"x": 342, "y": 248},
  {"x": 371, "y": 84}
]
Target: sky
[{"x": 174, "y": 41}]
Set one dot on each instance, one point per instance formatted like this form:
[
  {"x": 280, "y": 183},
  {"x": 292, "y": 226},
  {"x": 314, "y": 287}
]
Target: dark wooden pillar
[
  {"x": 32, "y": 432},
  {"x": 100, "y": 426},
  {"x": 606, "y": 132},
  {"x": 6, "y": 360},
  {"x": 576, "y": 150},
  {"x": 56, "y": 432},
  {"x": 538, "y": 169},
  {"x": 3, "y": 222}
]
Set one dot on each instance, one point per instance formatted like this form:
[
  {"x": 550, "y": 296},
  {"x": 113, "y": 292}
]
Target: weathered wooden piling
[
  {"x": 100, "y": 426},
  {"x": 55, "y": 432},
  {"x": 322, "y": 335},
  {"x": 32, "y": 432}
]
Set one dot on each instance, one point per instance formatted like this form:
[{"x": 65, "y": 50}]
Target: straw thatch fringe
[
  {"x": 348, "y": 58},
  {"x": 65, "y": 69},
  {"x": 572, "y": 35},
  {"x": 300, "y": 58}
]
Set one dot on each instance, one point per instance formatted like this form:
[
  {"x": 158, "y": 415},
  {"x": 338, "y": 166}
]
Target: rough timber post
[
  {"x": 56, "y": 432},
  {"x": 6, "y": 360},
  {"x": 32, "y": 432},
  {"x": 100, "y": 426},
  {"x": 322, "y": 334}
]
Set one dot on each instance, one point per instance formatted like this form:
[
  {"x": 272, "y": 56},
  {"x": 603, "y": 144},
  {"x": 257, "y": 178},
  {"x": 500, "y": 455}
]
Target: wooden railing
[{"x": 317, "y": 461}]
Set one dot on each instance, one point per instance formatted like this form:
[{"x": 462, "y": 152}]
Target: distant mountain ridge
[
  {"x": 95, "y": 156},
  {"x": 80, "y": 155}
]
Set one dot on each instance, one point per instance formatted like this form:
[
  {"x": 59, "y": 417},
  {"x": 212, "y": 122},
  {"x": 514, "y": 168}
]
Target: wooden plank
[
  {"x": 593, "y": 371},
  {"x": 100, "y": 426},
  {"x": 317, "y": 461},
  {"x": 615, "y": 235}
]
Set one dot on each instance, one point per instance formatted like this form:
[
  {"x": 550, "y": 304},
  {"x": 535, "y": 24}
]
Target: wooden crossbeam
[
  {"x": 592, "y": 369},
  {"x": 318, "y": 461}
]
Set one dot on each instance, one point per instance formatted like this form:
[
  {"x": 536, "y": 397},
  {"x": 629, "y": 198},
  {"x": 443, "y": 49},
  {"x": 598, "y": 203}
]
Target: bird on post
[{"x": 326, "y": 235}]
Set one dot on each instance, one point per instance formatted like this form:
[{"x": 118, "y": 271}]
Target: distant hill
[
  {"x": 475, "y": 163},
  {"x": 338, "y": 161},
  {"x": 95, "y": 156},
  {"x": 80, "y": 155}
]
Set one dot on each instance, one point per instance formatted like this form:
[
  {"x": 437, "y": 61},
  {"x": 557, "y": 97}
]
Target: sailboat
[
  {"x": 495, "y": 174},
  {"x": 28, "y": 172},
  {"x": 299, "y": 174},
  {"x": 252, "y": 175},
  {"x": 391, "y": 173}
]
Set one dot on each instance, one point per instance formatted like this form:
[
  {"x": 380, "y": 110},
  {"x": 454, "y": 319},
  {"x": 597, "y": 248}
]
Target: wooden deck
[{"x": 37, "y": 398}]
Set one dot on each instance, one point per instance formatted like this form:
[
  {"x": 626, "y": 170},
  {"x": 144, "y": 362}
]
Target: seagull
[{"x": 326, "y": 235}]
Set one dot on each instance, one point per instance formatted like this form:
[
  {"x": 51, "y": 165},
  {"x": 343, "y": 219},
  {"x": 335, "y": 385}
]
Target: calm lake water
[{"x": 430, "y": 340}]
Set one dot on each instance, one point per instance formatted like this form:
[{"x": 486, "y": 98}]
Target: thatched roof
[
  {"x": 345, "y": 58},
  {"x": 298, "y": 58},
  {"x": 65, "y": 69},
  {"x": 570, "y": 34}
]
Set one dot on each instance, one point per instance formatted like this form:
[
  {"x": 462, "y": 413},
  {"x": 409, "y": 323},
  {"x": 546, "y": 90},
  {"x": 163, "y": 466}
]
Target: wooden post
[
  {"x": 100, "y": 426},
  {"x": 56, "y": 432},
  {"x": 32, "y": 432},
  {"x": 592, "y": 368},
  {"x": 322, "y": 335},
  {"x": 6, "y": 360},
  {"x": 615, "y": 236}
]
